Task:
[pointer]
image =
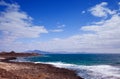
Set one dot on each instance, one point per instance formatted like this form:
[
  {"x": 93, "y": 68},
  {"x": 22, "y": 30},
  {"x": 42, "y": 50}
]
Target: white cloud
[
  {"x": 100, "y": 10},
  {"x": 15, "y": 24},
  {"x": 100, "y": 37},
  {"x": 57, "y": 30},
  {"x": 105, "y": 38}
]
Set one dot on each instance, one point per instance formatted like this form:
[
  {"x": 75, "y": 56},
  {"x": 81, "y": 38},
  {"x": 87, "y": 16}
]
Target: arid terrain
[{"x": 28, "y": 70}]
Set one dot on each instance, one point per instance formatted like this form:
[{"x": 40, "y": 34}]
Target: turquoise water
[
  {"x": 80, "y": 59},
  {"x": 89, "y": 66}
]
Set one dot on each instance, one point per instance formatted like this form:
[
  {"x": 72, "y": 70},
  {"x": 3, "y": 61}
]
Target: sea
[{"x": 88, "y": 66}]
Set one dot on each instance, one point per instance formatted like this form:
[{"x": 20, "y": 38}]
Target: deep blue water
[
  {"x": 89, "y": 66},
  {"x": 79, "y": 59}
]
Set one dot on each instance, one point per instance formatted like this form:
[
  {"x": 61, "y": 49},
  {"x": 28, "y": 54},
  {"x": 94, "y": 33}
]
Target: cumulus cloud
[
  {"x": 101, "y": 37},
  {"x": 15, "y": 24},
  {"x": 18, "y": 23},
  {"x": 101, "y": 10},
  {"x": 105, "y": 38}
]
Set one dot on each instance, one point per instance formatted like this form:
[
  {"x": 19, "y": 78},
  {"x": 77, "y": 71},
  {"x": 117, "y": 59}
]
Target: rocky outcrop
[
  {"x": 14, "y": 54},
  {"x": 25, "y": 70},
  {"x": 28, "y": 70}
]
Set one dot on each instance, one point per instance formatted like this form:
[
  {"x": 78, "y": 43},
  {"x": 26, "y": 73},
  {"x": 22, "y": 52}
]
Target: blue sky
[{"x": 60, "y": 25}]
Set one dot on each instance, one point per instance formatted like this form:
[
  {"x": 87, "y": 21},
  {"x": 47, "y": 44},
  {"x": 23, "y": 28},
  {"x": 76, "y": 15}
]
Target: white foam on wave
[{"x": 90, "y": 72}]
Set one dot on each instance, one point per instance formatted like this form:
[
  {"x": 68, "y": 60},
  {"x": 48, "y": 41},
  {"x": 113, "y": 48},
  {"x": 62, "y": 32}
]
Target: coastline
[{"x": 29, "y": 70}]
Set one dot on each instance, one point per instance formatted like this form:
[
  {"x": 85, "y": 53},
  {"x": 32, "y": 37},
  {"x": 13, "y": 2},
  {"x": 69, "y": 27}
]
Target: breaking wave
[{"x": 92, "y": 71}]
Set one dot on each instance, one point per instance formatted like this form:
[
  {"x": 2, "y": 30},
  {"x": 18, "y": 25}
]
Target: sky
[{"x": 82, "y": 26}]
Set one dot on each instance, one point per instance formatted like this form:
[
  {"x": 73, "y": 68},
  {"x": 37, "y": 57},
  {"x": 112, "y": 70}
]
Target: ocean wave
[{"x": 90, "y": 72}]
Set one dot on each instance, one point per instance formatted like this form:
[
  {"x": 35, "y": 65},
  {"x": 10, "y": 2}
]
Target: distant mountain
[
  {"x": 38, "y": 51},
  {"x": 59, "y": 52}
]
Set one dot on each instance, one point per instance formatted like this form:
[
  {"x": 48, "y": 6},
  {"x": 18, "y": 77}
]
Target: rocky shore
[{"x": 28, "y": 70}]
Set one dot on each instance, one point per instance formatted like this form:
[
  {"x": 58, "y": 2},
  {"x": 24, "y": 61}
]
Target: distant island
[
  {"x": 28, "y": 70},
  {"x": 38, "y": 51}
]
